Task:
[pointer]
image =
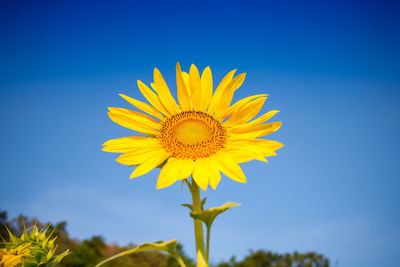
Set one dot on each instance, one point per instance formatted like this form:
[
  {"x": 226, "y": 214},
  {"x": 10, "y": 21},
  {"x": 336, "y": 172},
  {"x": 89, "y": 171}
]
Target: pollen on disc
[{"x": 192, "y": 132}]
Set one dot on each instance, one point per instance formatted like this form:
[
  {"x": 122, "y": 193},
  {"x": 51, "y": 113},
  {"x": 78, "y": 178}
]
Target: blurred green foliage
[
  {"x": 268, "y": 259},
  {"x": 87, "y": 253}
]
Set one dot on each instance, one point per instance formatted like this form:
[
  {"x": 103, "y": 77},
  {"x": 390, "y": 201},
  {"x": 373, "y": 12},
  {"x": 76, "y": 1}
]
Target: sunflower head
[
  {"x": 32, "y": 248},
  {"x": 203, "y": 134}
]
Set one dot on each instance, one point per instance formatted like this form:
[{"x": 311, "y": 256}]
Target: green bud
[{"x": 33, "y": 248}]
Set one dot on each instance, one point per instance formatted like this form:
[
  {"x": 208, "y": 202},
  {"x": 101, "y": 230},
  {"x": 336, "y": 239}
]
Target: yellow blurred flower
[
  {"x": 15, "y": 256},
  {"x": 201, "y": 136},
  {"x": 32, "y": 248}
]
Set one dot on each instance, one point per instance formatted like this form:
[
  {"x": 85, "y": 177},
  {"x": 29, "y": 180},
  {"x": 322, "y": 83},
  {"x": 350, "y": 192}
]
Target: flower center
[
  {"x": 191, "y": 132},
  {"x": 192, "y": 135}
]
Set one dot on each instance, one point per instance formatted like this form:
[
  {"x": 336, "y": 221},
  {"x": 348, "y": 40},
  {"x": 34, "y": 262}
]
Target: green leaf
[
  {"x": 168, "y": 247},
  {"x": 42, "y": 233},
  {"x": 203, "y": 201},
  {"x": 32, "y": 235},
  {"x": 208, "y": 216},
  {"x": 13, "y": 239},
  {"x": 25, "y": 235},
  {"x": 50, "y": 254},
  {"x": 40, "y": 256},
  {"x": 46, "y": 240},
  {"x": 50, "y": 245},
  {"x": 58, "y": 258},
  {"x": 30, "y": 264},
  {"x": 188, "y": 206}
]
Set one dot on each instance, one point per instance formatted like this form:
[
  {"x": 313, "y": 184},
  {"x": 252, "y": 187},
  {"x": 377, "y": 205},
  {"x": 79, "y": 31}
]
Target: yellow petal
[
  {"x": 195, "y": 87},
  {"x": 185, "y": 77},
  {"x": 225, "y": 99},
  {"x": 150, "y": 164},
  {"x": 257, "y": 144},
  {"x": 186, "y": 167},
  {"x": 161, "y": 87},
  {"x": 144, "y": 107},
  {"x": 229, "y": 167},
  {"x": 183, "y": 91},
  {"x": 201, "y": 173},
  {"x": 241, "y": 103},
  {"x": 125, "y": 140},
  {"x": 152, "y": 98},
  {"x": 215, "y": 176},
  {"x": 220, "y": 89},
  {"x": 174, "y": 170},
  {"x": 131, "y": 123},
  {"x": 168, "y": 174},
  {"x": 126, "y": 149},
  {"x": 264, "y": 117},
  {"x": 206, "y": 88},
  {"x": 125, "y": 144},
  {"x": 255, "y": 149},
  {"x": 254, "y": 131},
  {"x": 246, "y": 113},
  {"x": 227, "y": 95},
  {"x": 140, "y": 155},
  {"x": 139, "y": 117},
  {"x": 244, "y": 155}
]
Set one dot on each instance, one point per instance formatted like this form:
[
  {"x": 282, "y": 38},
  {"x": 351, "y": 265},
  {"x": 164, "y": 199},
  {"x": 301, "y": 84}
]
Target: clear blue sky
[{"x": 331, "y": 67}]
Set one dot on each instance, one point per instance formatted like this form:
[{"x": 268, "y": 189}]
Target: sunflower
[{"x": 201, "y": 136}]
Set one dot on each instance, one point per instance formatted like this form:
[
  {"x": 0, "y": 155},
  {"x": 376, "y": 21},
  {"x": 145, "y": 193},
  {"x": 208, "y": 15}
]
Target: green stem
[
  {"x": 198, "y": 227},
  {"x": 181, "y": 263},
  {"x": 208, "y": 243}
]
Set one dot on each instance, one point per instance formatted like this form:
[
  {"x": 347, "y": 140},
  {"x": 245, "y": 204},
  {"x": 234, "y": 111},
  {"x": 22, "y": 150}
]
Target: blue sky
[{"x": 331, "y": 67}]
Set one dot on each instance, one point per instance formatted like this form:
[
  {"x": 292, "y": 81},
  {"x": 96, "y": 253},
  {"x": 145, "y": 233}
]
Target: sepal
[
  {"x": 208, "y": 216},
  {"x": 203, "y": 201}
]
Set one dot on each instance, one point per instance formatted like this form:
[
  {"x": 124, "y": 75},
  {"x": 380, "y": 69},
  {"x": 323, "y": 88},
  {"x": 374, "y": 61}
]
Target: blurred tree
[
  {"x": 262, "y": 258},
  {"x": 63, "y": 240},
  {"x": 88, "y": 253},
  {"x": 85, "y": 254},
  {"x": 3, "y": 224}
]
